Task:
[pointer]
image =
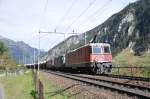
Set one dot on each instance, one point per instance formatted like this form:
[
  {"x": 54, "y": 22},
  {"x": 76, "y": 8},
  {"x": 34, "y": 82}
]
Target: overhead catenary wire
[
  {"x": 84, "y": 11},
  {"x": 61, "y": 20},
  {"x": 66, "y": 13},
  {"x": 43, "y": 15},
  {"x": 97, "y": 11}
]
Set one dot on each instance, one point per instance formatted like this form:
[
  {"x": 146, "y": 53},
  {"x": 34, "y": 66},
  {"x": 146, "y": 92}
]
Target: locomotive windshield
[
  {"x": 96, "y": 50},
  {"x": 102, "y": 49}
]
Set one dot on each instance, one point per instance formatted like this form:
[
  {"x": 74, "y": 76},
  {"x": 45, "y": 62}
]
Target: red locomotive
[{"x": 94, "y": 58}]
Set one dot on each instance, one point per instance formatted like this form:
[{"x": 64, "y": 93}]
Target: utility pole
[
  {"x": 34, "y": 59},
  {"x": 39, "y": 54}
]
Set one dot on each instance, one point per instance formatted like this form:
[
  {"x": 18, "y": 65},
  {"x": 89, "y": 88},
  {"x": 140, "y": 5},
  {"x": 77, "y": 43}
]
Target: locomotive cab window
[
  {"x": 96, "y": 50},
  {"x": 106, "y": 49}
]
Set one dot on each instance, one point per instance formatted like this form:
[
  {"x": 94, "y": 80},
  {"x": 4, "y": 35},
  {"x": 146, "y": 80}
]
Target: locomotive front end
[{"x": 101, "y": 58}]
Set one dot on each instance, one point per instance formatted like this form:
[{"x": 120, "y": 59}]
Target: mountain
[
  {"x": 21, "y": 52},
  {"x": 129, "y": 28}
]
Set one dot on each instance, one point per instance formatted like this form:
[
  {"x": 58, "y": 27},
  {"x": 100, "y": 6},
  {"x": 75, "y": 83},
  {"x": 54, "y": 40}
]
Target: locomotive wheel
[
  {"x": 99, "y": 70},
  {"x": 95, "y": 69}
]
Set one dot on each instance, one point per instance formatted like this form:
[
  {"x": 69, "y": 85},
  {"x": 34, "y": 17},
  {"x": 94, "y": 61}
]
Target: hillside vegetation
[
  {"x": 5, "y": 58},
  {"x": 127, "y": 58}
]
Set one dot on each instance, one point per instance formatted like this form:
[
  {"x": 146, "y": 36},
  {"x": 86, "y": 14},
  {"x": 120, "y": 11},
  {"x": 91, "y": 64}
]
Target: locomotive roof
[{"x": 92, "y": 44}]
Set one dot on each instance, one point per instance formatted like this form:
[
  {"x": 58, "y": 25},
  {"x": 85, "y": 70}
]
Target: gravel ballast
[{"x": 80, "y": 90}]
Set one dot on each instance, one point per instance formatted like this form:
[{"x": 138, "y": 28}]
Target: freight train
[{"x": 92, "y": 58}]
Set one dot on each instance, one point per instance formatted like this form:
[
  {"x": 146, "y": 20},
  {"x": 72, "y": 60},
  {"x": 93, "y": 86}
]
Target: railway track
[
  {"x": 129, "y": 77},
  {"x": 123, "y": 88},
  {"x": 141, "y": 83},
  {"x": 145, "y": 79}
]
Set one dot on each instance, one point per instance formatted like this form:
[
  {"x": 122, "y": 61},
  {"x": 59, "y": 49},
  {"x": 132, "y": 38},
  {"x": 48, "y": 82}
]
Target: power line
[
  {"x": 43, "y": 15},
  {"x": 84, "y": 11},
  {"x": 97, "y": 11},
  {"x": 67, "y": 12},
  {"x": 100, "y": 8},
  {"x": 62, "y": 19}
]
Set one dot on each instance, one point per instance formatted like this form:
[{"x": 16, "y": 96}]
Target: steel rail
[
  {"x": 131, "y": 90},
  {"x": 146, "y": 79}
]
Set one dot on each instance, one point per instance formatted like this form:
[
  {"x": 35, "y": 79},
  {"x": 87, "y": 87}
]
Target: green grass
[
  {"x": 17, "y": 87},
  {"x": 126, "y": 58},
  {"x": 53, "y": 91},
  {"x": 2, "y": 71}
]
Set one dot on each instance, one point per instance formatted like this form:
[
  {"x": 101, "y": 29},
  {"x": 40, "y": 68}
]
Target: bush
[{"x": 2, "y": 48}]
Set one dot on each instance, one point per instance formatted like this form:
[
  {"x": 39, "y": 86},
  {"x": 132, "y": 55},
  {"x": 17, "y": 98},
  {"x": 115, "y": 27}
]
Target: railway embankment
[
  {"x": 51, "y": 88},
  {"x": 81, "y": 90}
]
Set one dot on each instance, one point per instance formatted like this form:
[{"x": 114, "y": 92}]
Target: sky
[{"x": 21, "y": 20}]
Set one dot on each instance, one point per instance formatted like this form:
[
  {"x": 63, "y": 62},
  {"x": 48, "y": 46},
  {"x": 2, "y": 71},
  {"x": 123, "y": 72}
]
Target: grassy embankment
[
  {"x": 53, "y": 91},
  {"x": 17, "y": 87},
  {"x": 126, "y": 58},
  {"x": 21, "y": 86}
]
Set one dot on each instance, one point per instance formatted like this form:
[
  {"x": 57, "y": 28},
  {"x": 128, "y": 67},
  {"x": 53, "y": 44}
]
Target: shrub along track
[{"x": 117, "y": 86}]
